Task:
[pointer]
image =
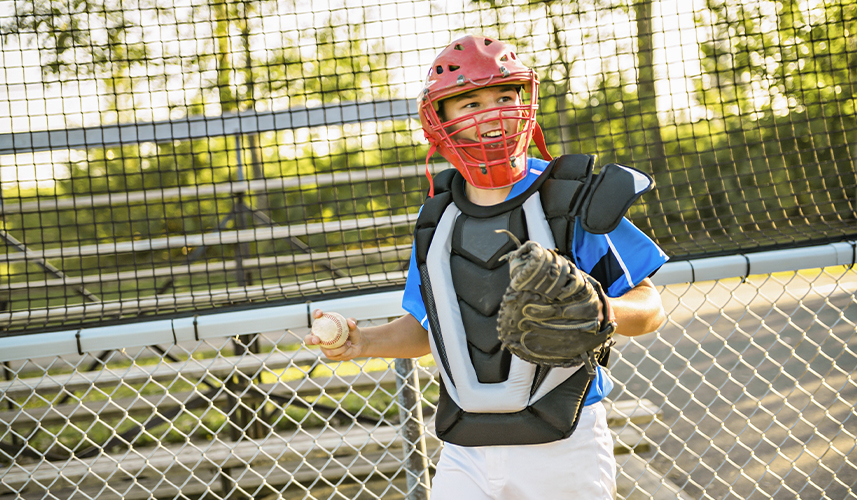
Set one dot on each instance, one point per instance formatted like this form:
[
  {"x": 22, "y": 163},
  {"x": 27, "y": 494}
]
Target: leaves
[{"x": 203, "y": 60}]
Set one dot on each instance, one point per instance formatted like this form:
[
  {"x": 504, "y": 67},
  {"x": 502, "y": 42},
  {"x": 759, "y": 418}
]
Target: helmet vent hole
[
  {"x": 504, "y": 58},
  {"x": 488, "y": 41},
  {"x": 513, "y": 55},
  {"x": 439, "y": 69},
  {"x": 453, "y": 67},
  {"x": 458, "y": 47}
]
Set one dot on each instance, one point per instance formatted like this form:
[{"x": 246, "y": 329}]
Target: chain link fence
[{"x": 748, "y": 391}]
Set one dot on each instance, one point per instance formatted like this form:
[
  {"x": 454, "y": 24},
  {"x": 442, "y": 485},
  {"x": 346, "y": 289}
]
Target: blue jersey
[{"x": 625, "y": 254}]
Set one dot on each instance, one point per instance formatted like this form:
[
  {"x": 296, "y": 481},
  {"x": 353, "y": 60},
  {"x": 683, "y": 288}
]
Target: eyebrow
[{"x": 504, "y": 88}]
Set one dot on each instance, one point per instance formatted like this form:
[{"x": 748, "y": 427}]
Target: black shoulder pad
[
  {"x": 563, "y": 193},
  {"x": 430, "y": 215},
  {"x": 433, "y": 209},
  {"x": 559, "y": 196},
  {"x": 443, "y": 181},
  {"x": 575, "y": 167},
  {"x": 613, "y": 191}
]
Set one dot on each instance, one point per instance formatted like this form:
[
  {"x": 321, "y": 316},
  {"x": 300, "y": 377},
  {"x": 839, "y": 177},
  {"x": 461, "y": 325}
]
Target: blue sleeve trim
[
  {"x": 412, "y": 299},
  {"x": 620, "y": 259},
  {"x": 535, "y": 168},
  {"x": 601, "y": 387}
]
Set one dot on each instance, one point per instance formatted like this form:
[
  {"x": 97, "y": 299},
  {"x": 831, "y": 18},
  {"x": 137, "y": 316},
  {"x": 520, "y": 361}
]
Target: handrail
[
  {"x": 211, "y": 239},
  {"x": 224, "y": 189},
  {"x": 365, "y": 306},
  {"x": 401, "y": 251},
  {"x": 174, "y": 302},
  {"x": 201, "y": 127}
]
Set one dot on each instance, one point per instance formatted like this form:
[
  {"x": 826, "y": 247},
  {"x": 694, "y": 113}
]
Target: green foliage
[
  {"x": 771, "y": 162},
  {"x": 802, "y": 57},
  {"x": 110, "y": 44},
  {"x": 778, "y": 85}
]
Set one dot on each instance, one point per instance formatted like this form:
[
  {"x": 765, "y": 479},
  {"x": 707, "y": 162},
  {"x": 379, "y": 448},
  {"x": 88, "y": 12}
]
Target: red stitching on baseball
[{"x": 338, "y": 328}]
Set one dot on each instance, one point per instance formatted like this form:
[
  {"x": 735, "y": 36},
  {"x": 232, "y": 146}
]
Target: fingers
[
  {"x": 345, "y": 352},
  {"x": 340, "y": 353},
  {"x": 309, "y": 338}
]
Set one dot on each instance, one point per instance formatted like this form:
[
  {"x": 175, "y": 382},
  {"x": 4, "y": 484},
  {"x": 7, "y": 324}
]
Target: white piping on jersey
[{"x": 621, "y": 262}]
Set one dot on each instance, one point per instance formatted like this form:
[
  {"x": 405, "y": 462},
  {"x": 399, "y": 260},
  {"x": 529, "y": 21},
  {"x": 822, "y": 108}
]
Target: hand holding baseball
[{"x": 338, "y": 337}]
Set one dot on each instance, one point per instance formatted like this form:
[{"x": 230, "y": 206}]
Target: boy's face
[{"x": 491, "y": 122}]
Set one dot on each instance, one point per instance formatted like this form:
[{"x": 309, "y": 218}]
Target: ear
[{"x": 438, "y": 108}]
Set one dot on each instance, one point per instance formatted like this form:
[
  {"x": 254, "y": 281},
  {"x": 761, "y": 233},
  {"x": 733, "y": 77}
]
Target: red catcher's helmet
[{"x": 467, "y": 64}]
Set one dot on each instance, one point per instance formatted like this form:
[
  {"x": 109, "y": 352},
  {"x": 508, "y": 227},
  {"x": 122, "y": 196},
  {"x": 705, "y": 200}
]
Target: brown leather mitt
[{"x": 549, "y": 313}]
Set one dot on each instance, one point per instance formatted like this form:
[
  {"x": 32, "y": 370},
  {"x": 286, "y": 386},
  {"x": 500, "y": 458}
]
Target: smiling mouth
[{"x": 492, "y": 134}]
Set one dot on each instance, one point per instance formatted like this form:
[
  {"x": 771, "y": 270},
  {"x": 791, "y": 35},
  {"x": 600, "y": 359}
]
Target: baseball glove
[{"x": 549, "y": 312}]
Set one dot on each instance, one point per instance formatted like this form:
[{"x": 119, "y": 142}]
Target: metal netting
[
  {"x": 748, "y": 391},
  {"x": 165, "y": 156}
]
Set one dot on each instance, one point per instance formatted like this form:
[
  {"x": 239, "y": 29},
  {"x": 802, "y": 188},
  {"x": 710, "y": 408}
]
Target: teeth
[{"x": 495, "y": 133}]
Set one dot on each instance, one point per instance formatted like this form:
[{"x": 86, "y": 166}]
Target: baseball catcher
[
  {"x": 550, "y": 311},
  {"x": 528, "y": 431}
]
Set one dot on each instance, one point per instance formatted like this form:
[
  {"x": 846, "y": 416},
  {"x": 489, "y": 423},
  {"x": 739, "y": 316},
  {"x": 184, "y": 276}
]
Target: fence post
[{"x": 413, "y": 442}]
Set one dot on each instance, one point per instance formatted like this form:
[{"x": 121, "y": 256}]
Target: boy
[{"x": 512, "y": 429}]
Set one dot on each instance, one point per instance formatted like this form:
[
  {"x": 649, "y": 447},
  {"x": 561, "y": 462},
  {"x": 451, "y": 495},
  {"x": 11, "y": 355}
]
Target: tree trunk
[
  {"x": 223, "y": 53},
  {"x": 257, "y": 171},
  {"x": 657, "y": 219},
  {"x": 561, "y": 92}
]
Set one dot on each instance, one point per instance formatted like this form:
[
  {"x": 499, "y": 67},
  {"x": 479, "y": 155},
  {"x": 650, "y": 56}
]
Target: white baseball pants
[{"x": 581, "y": 467}]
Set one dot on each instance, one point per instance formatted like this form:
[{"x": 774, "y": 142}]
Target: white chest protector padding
[{"x": 467, "y": 392}]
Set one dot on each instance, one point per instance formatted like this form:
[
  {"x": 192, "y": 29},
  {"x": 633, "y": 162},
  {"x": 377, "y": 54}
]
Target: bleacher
[{"x": 341, "y": 446}]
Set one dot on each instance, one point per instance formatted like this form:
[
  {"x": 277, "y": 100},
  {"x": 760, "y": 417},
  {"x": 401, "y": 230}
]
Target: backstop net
[
  {"x": 165, "y": 164},
  {"x": 164, "y": 156}
]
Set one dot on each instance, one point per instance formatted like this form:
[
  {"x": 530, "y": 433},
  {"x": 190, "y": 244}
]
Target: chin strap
[
  {"x": 539, "y": 138},
  {"x": 431, "y": 151}
]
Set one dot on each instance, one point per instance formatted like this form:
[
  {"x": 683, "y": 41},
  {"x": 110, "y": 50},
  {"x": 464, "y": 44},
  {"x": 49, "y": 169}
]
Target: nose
[{"x": 491, "y": 115}]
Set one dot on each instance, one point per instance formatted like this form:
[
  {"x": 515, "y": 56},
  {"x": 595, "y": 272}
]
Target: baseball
[{"x": 331, "y": 329}]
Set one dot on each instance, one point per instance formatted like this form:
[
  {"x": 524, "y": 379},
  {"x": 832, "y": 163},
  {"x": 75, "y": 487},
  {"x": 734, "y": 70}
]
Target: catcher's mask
[{"x": 492, "y": 160}]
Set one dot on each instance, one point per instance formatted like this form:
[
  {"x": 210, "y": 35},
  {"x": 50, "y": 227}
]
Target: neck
[{"x": 486, "y": 197}]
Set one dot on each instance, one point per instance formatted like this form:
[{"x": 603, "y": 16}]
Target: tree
[
  {"x": 656, "y": 151},
  {"x": 202, "y": 59},
  {"x": 779, "y": 79}
]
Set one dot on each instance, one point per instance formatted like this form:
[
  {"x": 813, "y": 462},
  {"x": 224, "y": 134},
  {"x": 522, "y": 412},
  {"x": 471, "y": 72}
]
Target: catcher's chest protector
[{"x": 488, "y": 396}]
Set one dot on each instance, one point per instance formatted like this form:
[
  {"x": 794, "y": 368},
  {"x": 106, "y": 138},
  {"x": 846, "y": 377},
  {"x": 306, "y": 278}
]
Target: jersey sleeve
[
  {"x": 620, "y": 259},
  {"x": 412, "y": 300}
]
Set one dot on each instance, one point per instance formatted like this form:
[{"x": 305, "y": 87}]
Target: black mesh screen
[{"x": 159, "y": 157}]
